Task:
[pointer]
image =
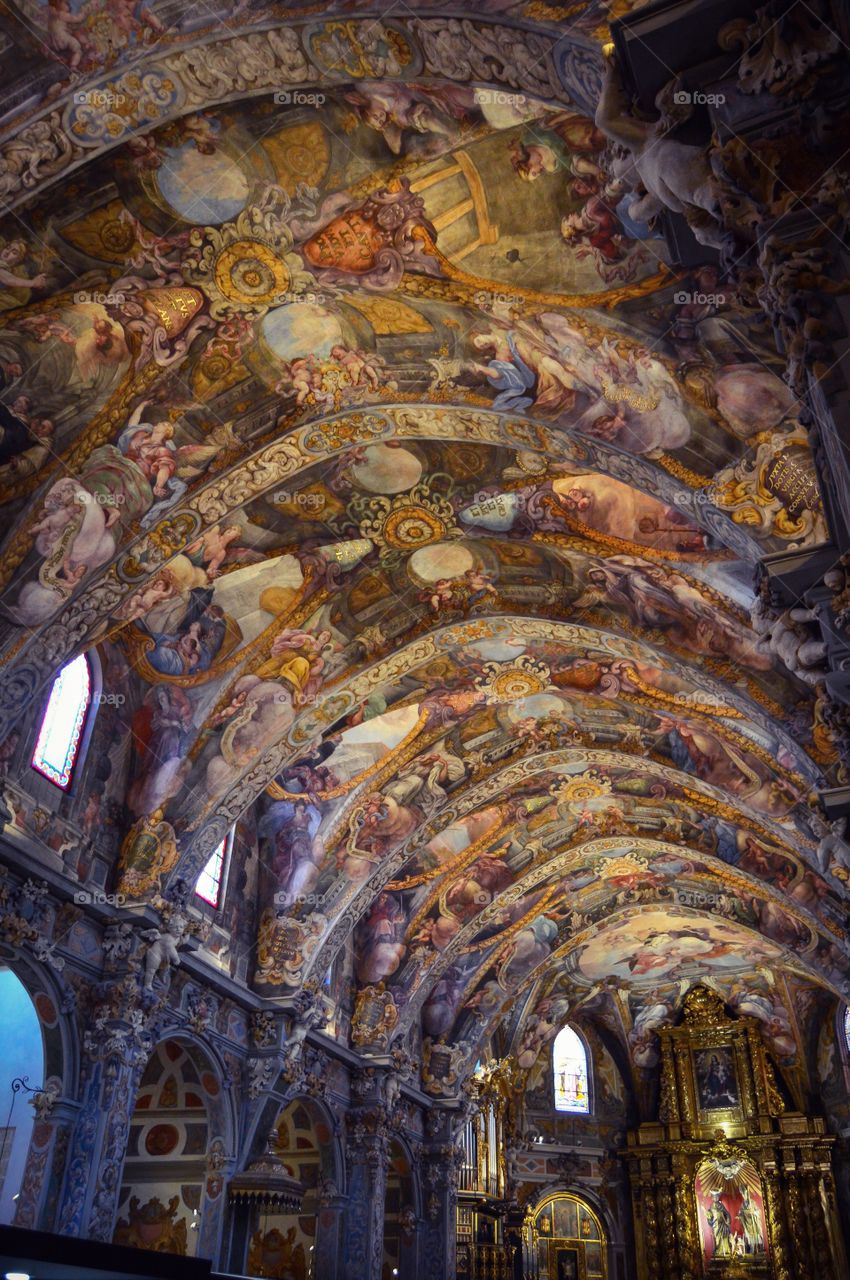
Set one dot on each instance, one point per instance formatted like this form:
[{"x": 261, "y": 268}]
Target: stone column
[
  {"x": 36, "y": 1203},
  {"x": 367, "y": 1158},
  {"x": 218, "y": 1173},
  {"x": 408, "y": 1254},
  {"x": 115, "y": 1053},
  {"x": 440, "y": 1166},
  {"x": 330, "y": 1220}
]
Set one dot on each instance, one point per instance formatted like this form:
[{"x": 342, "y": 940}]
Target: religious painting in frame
[
  {"x": 566, "y": 1261},
  {"x": 731, "y": 1213},
  {"x": 567, "y": 1264},
  {"x": 716, "y": 1078}
]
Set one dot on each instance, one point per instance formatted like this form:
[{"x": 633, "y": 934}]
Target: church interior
[{"x": 424, "y": 640}]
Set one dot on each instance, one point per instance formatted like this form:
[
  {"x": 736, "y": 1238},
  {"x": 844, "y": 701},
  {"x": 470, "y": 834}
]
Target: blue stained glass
[
  {"x": 569, "y": 1064},
  {"x": 61, "y": 729},
  {"x": 208, "y": 885},
  {"x": 847, "y": 1028}
]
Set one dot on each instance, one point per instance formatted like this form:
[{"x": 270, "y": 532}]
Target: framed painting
[
  {"x": 566, "y": 1260},
  {"x": 566, "y": 1263},
  {"x": 716, "y": 1079}
]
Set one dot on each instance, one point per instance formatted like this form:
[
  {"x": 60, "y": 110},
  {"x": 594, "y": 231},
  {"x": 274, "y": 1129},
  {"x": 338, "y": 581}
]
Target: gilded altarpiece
[{"x": 728, "y": 1181}]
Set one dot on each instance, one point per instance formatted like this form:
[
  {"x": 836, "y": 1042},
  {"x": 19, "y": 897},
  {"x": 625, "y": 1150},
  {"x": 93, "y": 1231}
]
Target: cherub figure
[
  {"x": 61, "y": 22},
  {"x": 163, "y": 949},
  {"x": 214, "y": 547}
]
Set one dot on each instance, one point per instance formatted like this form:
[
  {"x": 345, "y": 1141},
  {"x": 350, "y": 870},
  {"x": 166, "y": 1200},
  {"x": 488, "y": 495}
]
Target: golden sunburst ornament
[
  {"x": 581, "y": 790},
  {"x": 411, "y": 527},
  {"x": 247, "y": 265},
  {"x": 510, "y": 681},
  {"x": 409, "y": 521},
  {"x": 628, "y": 864},
  {"x": 249, "y": 272}
]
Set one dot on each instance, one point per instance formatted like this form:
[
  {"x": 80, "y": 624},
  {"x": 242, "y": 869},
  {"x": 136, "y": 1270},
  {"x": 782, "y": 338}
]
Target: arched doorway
[
  {"x": 564, "y": 1239},
  {"x": 23, "y": 1071},
  {"x": 172, "y": 1149},
  {"x": 286, "y": 1215}
]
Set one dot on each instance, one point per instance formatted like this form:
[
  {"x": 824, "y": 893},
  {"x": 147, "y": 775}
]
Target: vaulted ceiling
[{"x": 411, "y": 496}]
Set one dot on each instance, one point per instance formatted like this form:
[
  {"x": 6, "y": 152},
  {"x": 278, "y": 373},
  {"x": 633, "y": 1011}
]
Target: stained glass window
[
  {"x": 209, "y": 882},
  {"x": 847, "y": 1028},
  {"x": 569, "y": 1064},
  {"x": 61, "y": 729}
]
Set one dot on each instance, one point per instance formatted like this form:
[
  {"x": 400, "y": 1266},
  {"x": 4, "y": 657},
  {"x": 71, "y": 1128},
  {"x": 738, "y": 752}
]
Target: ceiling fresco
[{"x": 411, "y": 497}]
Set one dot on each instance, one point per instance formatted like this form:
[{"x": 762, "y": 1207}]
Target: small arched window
[
  {"x": 570, "y": 1070},
  {"x": 210, "y": 883},
  {"x": 58, "y": 745},
  {"x": 847, "y": 1029}
]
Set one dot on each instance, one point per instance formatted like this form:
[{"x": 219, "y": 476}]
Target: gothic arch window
[
  {"x": 571, "y": 1072},
  {"x": 209, "y": 886},
  {"x": 846, "y": 1026},
  {"x": 57, "y": 748}
]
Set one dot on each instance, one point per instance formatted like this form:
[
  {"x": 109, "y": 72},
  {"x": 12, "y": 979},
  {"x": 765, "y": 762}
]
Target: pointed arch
[
  {"x": 60, "y": 736},
  {"x": 571, "y": 1072}
]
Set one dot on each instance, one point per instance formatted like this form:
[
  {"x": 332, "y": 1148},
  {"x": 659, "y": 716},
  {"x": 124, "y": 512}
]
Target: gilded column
[
  {"x": 669, "y": 1225},
  {"x": 797, "y": 1223},
  {"x": 830, "y": 1208},
  {"x": 745, "y": 1075},
  {"x": 754, "y": 1055},
  {"x": 683, "y": 1078},
  {"x": 687, "y": 1228},
  {"x": 775, "y": 1212},
  {"x": 650, "y": 1221},
  {"x": 639, "y": 1223},
  {"x": 668, "y": 1110},
  {"x": 818, "y": 1226}
]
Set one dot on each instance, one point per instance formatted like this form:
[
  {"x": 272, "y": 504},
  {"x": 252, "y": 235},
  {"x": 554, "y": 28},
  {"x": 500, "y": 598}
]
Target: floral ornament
[
  {"x": 122, "y": 106},
  {"x": 368, "y": 50},
  {"x": 580, "y": 791},
  {"x": 409, "y": 521},
  {"x": 510, "y": 681},
  {"x": 344, "y": 432},
  {"x": 249, "y": 265},
  {"x": 43, "y": 1100},
  {"x": 628, "y": 865}
]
